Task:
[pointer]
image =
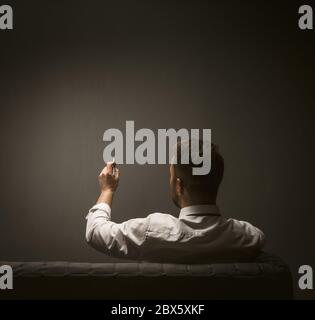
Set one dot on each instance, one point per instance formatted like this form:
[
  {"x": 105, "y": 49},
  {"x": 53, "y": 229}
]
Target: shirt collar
[{"x": 204, "y": 209}]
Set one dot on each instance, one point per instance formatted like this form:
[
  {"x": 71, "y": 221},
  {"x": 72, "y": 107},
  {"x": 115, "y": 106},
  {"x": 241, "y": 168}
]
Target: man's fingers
[
  {"x": 110, "y": 168},
  {"x": 109, "y": 177},
  {"x": 111, "y": 165},
  {"x": 104, "y": 171}
]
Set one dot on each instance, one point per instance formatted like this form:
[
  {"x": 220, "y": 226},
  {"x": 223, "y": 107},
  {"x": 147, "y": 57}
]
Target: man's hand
[
  {"x": 109, "y": 177},
  {"x": 108, "y": 180}
]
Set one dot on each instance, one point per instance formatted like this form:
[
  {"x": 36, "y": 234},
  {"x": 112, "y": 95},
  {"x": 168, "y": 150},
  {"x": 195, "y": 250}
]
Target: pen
[{"x": 114, "y": 167}]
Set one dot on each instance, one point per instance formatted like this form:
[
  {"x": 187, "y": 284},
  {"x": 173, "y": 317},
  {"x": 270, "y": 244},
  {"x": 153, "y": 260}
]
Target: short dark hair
[{"x": 204, "y": 184}]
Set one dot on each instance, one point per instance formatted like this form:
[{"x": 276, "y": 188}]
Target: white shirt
[{"x": 200, "y": 234}]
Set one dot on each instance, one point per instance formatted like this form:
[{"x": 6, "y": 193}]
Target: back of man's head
[{"x": 199, "y": 185}]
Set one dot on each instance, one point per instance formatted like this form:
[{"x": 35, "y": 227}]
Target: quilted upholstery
[{"x": 266, "y": 277}]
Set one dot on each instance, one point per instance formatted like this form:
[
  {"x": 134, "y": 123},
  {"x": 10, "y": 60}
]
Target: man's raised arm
[{"x": 121, "y": 240}]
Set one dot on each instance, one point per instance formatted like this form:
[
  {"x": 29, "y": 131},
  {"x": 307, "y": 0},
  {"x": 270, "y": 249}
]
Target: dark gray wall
[{"x": 71, "y": 71}]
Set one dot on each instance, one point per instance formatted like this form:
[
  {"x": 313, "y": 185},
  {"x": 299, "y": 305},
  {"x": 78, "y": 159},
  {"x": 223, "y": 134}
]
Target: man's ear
[{"x": 179, "y": 187}]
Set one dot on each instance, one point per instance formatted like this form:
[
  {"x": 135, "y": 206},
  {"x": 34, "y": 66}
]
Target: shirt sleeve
[
  {"x": 121, "y": 240},
  {"x": 255, "y": 239}
]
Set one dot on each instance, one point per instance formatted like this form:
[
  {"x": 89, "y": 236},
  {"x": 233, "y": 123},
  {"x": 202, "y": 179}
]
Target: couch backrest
[{"x": 268, "y": 277}]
